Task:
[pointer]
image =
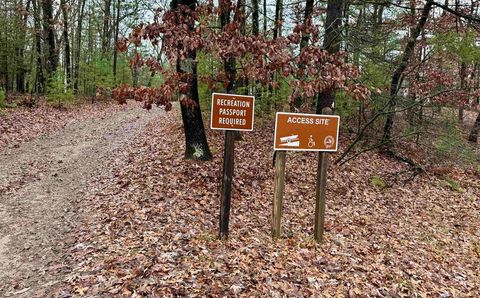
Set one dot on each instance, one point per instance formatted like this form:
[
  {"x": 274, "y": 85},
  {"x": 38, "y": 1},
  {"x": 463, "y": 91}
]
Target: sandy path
[{"x": 40, "y": 183}]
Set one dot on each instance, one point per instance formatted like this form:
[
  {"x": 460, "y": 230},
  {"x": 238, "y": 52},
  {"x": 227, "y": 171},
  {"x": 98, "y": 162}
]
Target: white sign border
[
  {"x": 304, "y": 114},
  {"x": 253, "y": 112}
]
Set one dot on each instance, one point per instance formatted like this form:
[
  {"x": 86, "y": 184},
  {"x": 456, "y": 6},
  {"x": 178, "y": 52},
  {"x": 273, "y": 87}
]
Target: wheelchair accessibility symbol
[{"x": 311, "y": 141}]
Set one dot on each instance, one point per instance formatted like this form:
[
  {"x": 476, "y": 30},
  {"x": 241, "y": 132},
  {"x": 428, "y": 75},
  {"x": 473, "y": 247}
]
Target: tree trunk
[
  {"x": 51, "y": 57},
  {"x": 463, "y": 69},
  {"x": 307, "y": 21},
  {"x": 360, "y": 23},
  {"x": 134, "y": 71},
  {"x": 333, "y": 25},
  {"x": 379, "y": 19},
  {"x": 346, "y": 31},
  {"x": 394, "y": 85},
  {"x": 115, "y": 52},
  {"x": 255, "y": 24},
  {"x": 255, "y": 32},
  {"x": 196, "y": 145},
  {"x": 461, "y": 108},
  {"x": 331, "y": 43},
  {"x": 78, "y": 48},
  {"x": 229, "y": 64},
  {"x": 5, "y": 71},
  {"x": 277, "y": 28},
  {"x": 39, "y": 84},
  {"x": 106, "y": 28},
  {"x": 240, "y": 16},
  {"x": 475, "y": 130},
  {"x": 265, "y": 16},
  {"x": 20, "y": 73},
  {"x": 20, "y": 51},
  {"x": 91, "y": 45},
  {"x": 66, "y": 44}
]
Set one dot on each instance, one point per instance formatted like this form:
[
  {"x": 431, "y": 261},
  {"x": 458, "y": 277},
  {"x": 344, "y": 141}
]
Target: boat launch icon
[{"x": 290, "y": 141}]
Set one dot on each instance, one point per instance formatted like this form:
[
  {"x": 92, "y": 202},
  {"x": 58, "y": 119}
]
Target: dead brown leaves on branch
[
  {"x": 183, "y": 31},
  {"x": 161, "y": 96}
]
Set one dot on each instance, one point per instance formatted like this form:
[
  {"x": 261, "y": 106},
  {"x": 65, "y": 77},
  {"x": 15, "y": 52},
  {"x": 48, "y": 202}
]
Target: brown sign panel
[
  {"x": 306, "y": 132},
  {"x": 232, "y": 112}
]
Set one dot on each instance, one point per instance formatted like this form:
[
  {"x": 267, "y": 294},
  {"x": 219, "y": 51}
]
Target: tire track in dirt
[{"x": 40, "y": 183}]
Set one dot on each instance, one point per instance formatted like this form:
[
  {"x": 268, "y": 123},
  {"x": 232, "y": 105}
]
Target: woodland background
[
  {"x": 403, "y": 192},
  {"x": 61, "y": 51}
]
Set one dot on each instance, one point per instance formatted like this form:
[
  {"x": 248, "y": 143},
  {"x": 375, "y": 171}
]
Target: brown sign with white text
[
  {"x": 232, "y": 112},
  {"x": 306, "y": 132}
]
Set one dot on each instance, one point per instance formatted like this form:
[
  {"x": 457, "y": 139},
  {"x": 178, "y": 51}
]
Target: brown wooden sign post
[
  {"x": 279, "y": 189},
  {"x": 304, "y": 132},
  {"x": 320, "y": 190},
  {"x": 231, "y": 113}
]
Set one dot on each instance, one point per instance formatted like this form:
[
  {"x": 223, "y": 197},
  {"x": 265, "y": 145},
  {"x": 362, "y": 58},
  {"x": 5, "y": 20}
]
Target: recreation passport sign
[
  {"x": 232, "y": 112},
  {"x": 306, "y": 132}
]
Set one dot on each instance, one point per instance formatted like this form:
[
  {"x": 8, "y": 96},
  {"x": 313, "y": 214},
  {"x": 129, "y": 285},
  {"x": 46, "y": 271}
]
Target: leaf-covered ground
[
  {"x": 41, "y": 182},
  {"x": 151, "y": 230},
  {"x": 23, "y": 124}
]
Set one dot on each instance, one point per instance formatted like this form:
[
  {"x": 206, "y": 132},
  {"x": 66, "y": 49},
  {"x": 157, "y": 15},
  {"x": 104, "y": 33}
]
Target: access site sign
[
  {"x": 306, "y": 132},
  {"x": 232, "y": 112}
]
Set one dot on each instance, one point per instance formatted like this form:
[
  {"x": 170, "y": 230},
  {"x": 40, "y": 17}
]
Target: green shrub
[
  {"x": 124, "y": 73},
  {"x": 452, "y": 145},
  {"x": 57, "y": 91},
  {"x": 103, "y": 74},
  {"x": 378, "y": 182},
  {"x": 3, "y": 103},
  {"x": 207, "y": 67},
  {"x": 3, "y": 100},
  {"x": 347, "y": 107},
  {"x": 453, "y": 184},
  {"x": 97, "y": 74}
]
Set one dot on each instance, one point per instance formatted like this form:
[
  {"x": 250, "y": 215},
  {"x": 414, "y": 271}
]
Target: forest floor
[
  {"x": 109, "y": 207},
  {"x": 43, "y": 180}
]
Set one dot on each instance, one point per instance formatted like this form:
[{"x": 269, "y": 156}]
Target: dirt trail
[{"x": 40, "y": 183}]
